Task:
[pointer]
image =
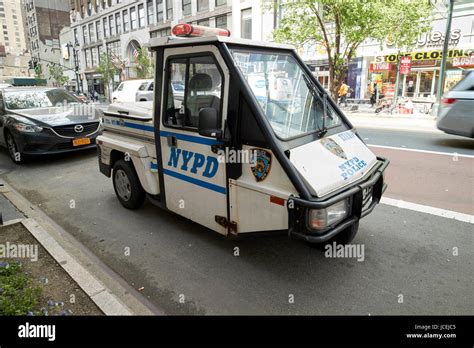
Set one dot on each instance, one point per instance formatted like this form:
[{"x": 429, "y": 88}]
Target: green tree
[
  {"x": 342, "y": 25},
  {"x": 107, "y": 69},
  {"x": 57, "y": 74},
  {"x": 144, "y": 67},
  {"x": 39, "y": 78}
]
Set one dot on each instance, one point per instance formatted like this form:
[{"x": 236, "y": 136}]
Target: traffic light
[{"x": 30, "y": 65}]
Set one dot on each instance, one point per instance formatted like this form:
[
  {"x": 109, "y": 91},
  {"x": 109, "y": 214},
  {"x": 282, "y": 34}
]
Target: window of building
[
  {"x": 76, "y": 36},
  {"x": 106, "y": 27},
  {"x": 87, "y": 54},
  {"x": 111, "y": 25},
  {"x": 159, "y": 11},
  {"x": 94, "y": 58},
  {"x": 91, "y": 32},
  {"x": 221, "y": 2},
  {"x": 126, "y": 21},
  {"x": 169, "y": 9},
  {"x": 118, "y": 24},
  {"x": 85, "y": 35},
  {"x": 246, "y": 24},
  {"x": 133, "y": 18},
  {"x": 221, "y": 22},
  {"x": 149, "y": 11},
  {"x": 161, "y": 33},
  {"x": 98, "y": 30},
  {"x": 204, "y": 22},
  {"x": 113, "y": 49},
  {"x": 202, "y": 5},
  {"x": 141, "y": 16},
  {"x": 201, "y": 82},
  {"x": 186, "y": 7},
  {"x": 89, "y": 7}
]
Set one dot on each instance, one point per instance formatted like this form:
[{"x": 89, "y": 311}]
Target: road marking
[
  {"x": 452, "y": 154},
  {"x": 449, "y": 214}
]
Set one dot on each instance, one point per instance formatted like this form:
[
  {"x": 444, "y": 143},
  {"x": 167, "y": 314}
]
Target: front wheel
[
  {"x": 15, "y": 155},
  {"x": 127, "y": 186},
  {"x": 345, "y": 236}
]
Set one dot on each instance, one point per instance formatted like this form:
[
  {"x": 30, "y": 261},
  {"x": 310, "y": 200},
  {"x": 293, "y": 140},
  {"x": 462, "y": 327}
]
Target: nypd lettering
[
  {"x": 346, "y": 136},
  {"x": 351, "y": 167},
  {"x": 193, "y": 162}
]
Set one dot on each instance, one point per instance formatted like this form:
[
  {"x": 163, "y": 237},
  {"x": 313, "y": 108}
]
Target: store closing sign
[
  {"x": 428, "y": 55},
  {"x": 405, "y": 65}
]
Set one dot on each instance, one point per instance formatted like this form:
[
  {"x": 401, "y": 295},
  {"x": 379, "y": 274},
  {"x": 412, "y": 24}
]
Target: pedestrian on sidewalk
[
  {"x": 343, "y": 90},
  {"x": 370, "y": 89}
]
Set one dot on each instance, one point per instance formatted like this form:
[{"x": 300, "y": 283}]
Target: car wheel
[
  {"x": 345, "y": 236},
  {"x": 127, "y": 186},
  {"x": 15, "y": 155}
]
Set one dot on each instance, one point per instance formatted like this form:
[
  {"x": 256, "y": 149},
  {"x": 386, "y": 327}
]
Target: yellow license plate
[{"x": 81, "y": 141}]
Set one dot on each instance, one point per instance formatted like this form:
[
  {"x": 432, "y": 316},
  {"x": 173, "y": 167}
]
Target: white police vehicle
[{"x": 229, "y": 156}]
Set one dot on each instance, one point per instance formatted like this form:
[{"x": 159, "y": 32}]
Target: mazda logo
[{"x": 78, "y": 128}]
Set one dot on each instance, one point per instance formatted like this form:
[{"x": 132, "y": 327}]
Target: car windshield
[
  {"x": 285, "y": 93},
  {"x": 15, "y": 100},
  {"x": 178, "y": 86}
]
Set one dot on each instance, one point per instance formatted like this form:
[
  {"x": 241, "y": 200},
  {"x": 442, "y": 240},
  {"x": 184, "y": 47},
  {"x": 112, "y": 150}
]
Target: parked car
[
  {"x": 127, "y": 90},
  {"x": 39, "y": 120},
  {"x": 456, "y": 114},
  {"x": 5, "y": 85},
  {"x": 145, "y": 92}
]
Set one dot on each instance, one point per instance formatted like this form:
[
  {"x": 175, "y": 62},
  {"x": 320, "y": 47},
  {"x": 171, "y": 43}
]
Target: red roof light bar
[{"x": 191, "y": 30}]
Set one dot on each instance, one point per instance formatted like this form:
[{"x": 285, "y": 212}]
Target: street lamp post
[
  {"x": 442, "y": 70},
  {"x": 76, "y": 64}
]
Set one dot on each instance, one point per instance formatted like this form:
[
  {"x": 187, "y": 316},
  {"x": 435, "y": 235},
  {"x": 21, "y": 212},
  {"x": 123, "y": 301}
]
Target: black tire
[
  {"x": 16, "y": 156},
  {"x": 127, "y": 186},
  {"x": 345, "y": 236}
]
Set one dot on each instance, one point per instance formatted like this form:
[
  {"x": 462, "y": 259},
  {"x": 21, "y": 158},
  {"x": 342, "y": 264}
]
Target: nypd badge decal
[
  {"x": 333, "y": 147},
  {"x": 260, "y": 163}
]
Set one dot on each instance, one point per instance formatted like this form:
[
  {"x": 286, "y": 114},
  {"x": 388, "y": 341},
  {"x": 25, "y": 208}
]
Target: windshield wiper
[{"x": 316, "y": 94}]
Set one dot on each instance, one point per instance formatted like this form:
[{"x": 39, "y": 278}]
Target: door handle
[{"x": 172, "y": 142}]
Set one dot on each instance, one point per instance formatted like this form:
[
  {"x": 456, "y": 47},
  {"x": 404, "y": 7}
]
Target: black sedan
[{"x": 37, "y": 121}]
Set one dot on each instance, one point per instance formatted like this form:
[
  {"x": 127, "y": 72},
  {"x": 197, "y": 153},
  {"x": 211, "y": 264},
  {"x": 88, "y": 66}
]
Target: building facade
[
  {"x": 373, "y": 64},
  {"x": 120, "y": 27},
  {"x": 44, "y": 21},
  {"x": 14, "y": 55}
]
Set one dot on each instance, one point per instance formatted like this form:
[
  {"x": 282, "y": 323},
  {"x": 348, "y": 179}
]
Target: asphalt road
[{"x": 407, "y": 253}]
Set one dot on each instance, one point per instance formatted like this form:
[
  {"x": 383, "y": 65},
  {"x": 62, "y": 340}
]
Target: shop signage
[
  {"x": 405, "y": 65},
  {"x": 380, "y": 66},
  {"x": 428, "y": 55},
  {"x": 463, "y": 61},
  {"x": 435, "y": 39}
]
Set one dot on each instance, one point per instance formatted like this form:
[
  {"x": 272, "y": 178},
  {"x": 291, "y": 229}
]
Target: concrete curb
[{"x": 108, "y": 291}]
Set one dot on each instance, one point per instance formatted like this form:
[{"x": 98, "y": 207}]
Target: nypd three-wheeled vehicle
[{"x": 240, "y": 138}]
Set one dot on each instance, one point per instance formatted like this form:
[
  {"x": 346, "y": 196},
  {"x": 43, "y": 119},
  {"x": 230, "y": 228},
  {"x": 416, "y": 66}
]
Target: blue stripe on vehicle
[
  {"x": 139, "y": 126},
  {"x": 195, "y": 181},
  {"x": 154, "y": 165},
  {"x": 190, "y": 138}
]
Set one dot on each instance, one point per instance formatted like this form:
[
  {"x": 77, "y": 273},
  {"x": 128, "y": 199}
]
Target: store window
[{"x": 246, "y": 24}]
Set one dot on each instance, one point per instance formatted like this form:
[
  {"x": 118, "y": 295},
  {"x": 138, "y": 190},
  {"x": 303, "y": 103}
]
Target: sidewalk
[
  {"x": 408, "y": 122},
  {"x": 105, "y": 288}
]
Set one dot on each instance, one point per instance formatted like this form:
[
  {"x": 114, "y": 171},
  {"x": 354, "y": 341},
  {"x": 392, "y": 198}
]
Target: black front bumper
[
  {"x": 298, "y": 208},
  {"x": 47, "y": 142}
]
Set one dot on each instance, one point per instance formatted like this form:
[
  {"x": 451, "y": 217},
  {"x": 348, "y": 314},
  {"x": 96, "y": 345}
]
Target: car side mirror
[{"x": 208, "y": 123}]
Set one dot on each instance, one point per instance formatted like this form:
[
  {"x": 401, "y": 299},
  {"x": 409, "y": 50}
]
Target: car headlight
[
  {"x": 27, "y": 128},
  {"x": 320, "y": 219}
]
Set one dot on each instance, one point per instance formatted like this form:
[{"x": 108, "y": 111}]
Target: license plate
[{"x": 81, "y": 141}]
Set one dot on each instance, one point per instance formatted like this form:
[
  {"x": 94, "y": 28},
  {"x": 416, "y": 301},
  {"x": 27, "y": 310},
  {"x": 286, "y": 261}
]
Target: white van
[{"x": 127, "y": 91}]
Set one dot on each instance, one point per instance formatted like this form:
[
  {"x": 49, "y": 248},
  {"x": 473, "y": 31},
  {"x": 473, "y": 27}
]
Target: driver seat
[{"x": 199, "y": 97}]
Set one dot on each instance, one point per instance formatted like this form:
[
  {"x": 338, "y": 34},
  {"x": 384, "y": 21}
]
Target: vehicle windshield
[
  {"x": 285, "y": 93},
  {"x": 15, "y": 100},
  {"x": 178, "y": 86}
]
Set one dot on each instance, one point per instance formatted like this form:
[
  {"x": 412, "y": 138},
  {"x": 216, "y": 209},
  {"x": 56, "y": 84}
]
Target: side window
[{"x": 194, "y": 83}]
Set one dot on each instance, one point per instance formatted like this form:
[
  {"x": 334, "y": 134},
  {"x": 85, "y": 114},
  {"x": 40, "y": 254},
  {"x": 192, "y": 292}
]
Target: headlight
[
  {"x": 27, "y": 128},
  {"x": 319, "y": 219}
]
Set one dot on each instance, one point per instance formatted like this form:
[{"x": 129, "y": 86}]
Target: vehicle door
[
  {"x": 3, "y": 116},
  {"x": 194, "y": 178}
]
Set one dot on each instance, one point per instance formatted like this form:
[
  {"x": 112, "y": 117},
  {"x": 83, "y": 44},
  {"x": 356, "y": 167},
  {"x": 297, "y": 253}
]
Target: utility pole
[
  {"x": 76, "y": 65},
  {"x": 442, "y": 70}
]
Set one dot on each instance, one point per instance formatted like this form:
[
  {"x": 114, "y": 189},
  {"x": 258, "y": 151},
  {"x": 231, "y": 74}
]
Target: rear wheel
[
  {"x": 127, "y": 186},
  {"x": 15, "y": 155}
]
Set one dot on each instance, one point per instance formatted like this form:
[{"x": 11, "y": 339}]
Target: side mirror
[{"x": 208, "y": 123}]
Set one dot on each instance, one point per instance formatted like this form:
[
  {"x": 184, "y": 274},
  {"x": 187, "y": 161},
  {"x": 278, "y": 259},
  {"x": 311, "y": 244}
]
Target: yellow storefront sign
[{"x": 427, "y": 55}]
